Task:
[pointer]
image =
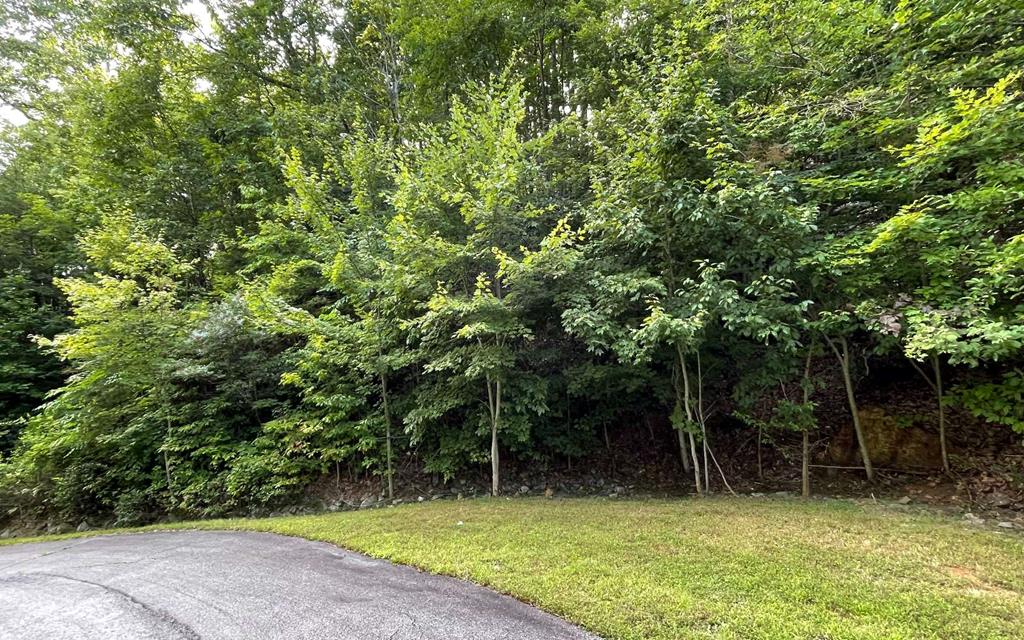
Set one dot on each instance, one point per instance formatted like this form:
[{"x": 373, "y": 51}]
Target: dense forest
[{"x": 246, "y": 244}]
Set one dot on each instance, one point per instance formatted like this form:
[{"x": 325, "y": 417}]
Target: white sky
[{"x": 12, "y": 116}]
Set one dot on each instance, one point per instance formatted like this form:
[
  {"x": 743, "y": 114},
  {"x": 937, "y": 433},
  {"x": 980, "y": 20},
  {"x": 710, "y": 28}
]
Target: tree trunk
[
  {"x": 696, "y": 466},
  {"x": 167, "y": 471},
  {"x": 689, "y": 419},
  {"x": 942, "y": 412},
  {"x": 684, "y": 453},
  {"x": 387, "y": 425},
  {"x": 167, "y": 461},
  {"x": 805, "y": 471},
  {"x": 844, "y": 363},
  {"x": 683, "y": 450},
  {"x": 496, "y": 417},
  {"x": 703, "y": 424},
  {"x": 707, "y": 471},
  {"x": 936, "y": 386},
  {"x": 760, "y": 467}
]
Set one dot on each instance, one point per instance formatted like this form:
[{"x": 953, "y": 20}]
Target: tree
[
  {"x": 108, "y": 412},
  {"x": 686, "y": 239},
  {"x": 461, "y": 217}
]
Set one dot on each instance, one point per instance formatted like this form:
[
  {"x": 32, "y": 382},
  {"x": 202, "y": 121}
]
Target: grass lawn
[{"x": 715, "y": 568}]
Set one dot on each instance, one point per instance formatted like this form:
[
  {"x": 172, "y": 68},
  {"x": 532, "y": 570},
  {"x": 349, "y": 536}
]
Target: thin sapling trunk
[
  {"x": 805, "y": 470},
  {"x": 843, "y": 355},
  {"x": 681, "y": 436},
  {"x": 760, "y": 467},
  {"x": 703, "y": 425},
  {"x": 495, "y": 477},
  {"x": 805, "y": 467},
  {"x": 387, "y": 434},
  {"x": 494, "y": 407},
  {"x": 683, "y": 452},
  {"x": 942, "y": 412},
  {"x": 689, "y": 420},
  {"x": 935, "y": 382}
]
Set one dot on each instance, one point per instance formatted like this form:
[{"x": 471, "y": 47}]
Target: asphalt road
[{"x": 244, "y": 586}]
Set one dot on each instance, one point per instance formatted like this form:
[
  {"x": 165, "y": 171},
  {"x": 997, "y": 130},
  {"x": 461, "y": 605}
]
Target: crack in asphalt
[
  {"x": 227, "y": 614},
  {"x": 47, "y": 553},
  {"x": 246, "y": 586},
  {"x": 180, "y": 628},
  {"x": 107, "y": 563}
]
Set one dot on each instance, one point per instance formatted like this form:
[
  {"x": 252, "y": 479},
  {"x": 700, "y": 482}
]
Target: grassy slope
[{"x": 719, "y": 568}]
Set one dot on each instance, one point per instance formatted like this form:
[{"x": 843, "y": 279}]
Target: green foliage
[
  {"x": 463, "y": 201},
  {"x": 316, "y": 236},
  {"x": 1001, "y": 402}
]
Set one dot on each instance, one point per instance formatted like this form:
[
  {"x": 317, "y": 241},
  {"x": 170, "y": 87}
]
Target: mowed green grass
[{"x": 714, "y": 568}]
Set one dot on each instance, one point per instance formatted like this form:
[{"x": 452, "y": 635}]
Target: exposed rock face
[{"x": 890, "y": 444}]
